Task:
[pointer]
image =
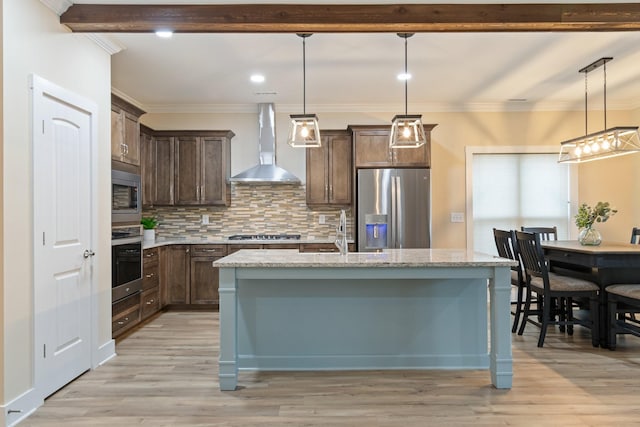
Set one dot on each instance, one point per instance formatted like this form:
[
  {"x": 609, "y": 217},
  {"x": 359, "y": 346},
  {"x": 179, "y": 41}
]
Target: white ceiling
[{"x": 357, "y": 72}]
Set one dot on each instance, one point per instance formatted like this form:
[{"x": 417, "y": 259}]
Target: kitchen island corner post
[
  {"x": 228, "y": 358},
  {"x": 500, "y": 356}
]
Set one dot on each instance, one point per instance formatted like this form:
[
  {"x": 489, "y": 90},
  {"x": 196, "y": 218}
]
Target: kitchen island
[{"x": 397, "y": 309}]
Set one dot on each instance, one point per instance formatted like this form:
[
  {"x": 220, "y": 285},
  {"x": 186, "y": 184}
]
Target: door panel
[
  {"x": 62, "y": 232},
  {"x": 413, "y": 207}
]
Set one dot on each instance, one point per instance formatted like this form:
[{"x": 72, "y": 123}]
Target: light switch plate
[
  {"x": 205, "y": 219},
  {"x": 457, "y": 217},
  {"x": 322, "y": 219}
]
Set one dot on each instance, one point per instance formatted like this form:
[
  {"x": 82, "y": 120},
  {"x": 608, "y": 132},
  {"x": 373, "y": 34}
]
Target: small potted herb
[{"x": 149, "y": 224}]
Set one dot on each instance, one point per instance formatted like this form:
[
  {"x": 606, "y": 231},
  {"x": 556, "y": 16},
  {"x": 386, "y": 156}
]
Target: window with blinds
[{"x": 512, "y": 190}]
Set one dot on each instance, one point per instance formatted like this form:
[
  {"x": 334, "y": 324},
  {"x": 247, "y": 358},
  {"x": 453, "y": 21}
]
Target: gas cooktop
[{"x": 265, "y": 237}]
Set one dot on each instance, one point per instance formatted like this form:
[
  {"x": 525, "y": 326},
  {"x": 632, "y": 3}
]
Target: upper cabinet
[
  {"x": 371, "y": 149},
  {"x": 187, "y": 168},
  {"x": 125, "y": 131},
  {"x": 329, "y": 170}
]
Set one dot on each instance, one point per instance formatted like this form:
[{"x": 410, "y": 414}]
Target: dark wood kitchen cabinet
[
  {"x": 156, "y": 168},
  {"x": 125, "y": 131},
  {"x": 329, "y": 170},
  {"x": 204, "y": 276},
  {"x": 150, "y": 297},
  {"x": 371, "y": 149},
  {"x": 125, "y": 314},
  {"x": 175, "y": 267},
  {"x": 203, "y": 168}
]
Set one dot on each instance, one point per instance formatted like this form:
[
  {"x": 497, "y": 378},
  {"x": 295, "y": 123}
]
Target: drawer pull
[
  {"x": 122, "y": 322},
  {"x": 150, "y": 255},
  {"x": 150, "y": 302},
  {"x": 149, "y": 276}
]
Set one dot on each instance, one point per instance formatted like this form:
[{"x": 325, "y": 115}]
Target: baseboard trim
[
  {"x": 25, "y": 405},
  {"x": 105, "y": 352}
]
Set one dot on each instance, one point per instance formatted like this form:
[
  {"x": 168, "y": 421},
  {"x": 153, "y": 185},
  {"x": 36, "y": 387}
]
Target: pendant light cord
[
  {"x": 406, "y": 77},
  {"x": 605, "y": 94},
  {"x": 304, "y": 76},
  {"x": 586, "y": 102}
]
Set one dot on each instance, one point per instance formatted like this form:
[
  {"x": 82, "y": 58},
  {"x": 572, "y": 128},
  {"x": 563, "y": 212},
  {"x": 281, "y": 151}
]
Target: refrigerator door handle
[
  {"x": 399, "y": 213},
  {"x": 394, "y": 206}
]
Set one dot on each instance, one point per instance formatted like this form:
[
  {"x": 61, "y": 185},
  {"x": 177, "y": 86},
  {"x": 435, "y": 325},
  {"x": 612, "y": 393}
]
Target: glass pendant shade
[
  {"x": 304, "y": 131},
  {"x": 608, "y": 143},
  {"x": 407, "y": 132}
]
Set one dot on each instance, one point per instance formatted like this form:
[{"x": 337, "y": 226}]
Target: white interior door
[{"x": 62, "y": 236}]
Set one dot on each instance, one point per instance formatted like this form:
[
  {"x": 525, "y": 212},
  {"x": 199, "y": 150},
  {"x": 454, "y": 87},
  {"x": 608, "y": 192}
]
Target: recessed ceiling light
[
  {"x": 257, "y": 78},
  {"x": 165, "y": 34},
  {"x": 404, "y": 76}
]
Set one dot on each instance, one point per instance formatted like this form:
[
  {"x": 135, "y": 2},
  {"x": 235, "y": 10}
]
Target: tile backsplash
[{"x": 255, "y": 209}]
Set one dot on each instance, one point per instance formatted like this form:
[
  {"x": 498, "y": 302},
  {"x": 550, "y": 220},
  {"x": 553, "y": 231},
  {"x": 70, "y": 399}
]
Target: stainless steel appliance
[
  {"x": 126, "y": 262},
  {"x": 126, "y": 194},
  {"x": 394, "y": 209}
]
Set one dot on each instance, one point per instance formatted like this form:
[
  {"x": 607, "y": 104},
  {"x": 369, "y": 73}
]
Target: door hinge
[
  {"x": 43, "y": 127},
  {"x": 43, "y": 239},
  {"x": 44, "y": 351}
]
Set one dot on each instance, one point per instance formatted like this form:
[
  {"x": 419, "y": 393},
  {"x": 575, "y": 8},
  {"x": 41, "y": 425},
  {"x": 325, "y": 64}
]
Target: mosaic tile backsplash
[{"x": 255, "y": 209}]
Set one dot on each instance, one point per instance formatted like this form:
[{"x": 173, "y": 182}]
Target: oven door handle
[{"x": 126, "y": 240}]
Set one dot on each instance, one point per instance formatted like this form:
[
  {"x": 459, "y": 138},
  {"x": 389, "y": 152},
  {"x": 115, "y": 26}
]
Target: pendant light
[
  {"x": 611, "y": 142},
  {"x": 406, "y": 130},
  {"x": 303, "y": 130}
]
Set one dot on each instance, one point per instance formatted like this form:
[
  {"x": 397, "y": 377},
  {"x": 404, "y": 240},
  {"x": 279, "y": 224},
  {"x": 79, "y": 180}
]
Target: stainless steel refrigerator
[{"x": 394, "y": 209}]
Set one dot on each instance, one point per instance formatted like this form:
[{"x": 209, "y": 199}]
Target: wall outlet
[
  {"x": 205, "y": 219},
  {"x": 457, "y": 217},
  {"x": 322, "y": 219}
]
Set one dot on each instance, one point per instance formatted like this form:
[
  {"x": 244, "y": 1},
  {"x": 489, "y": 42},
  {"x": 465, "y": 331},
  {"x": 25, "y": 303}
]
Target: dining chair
[
  {"x": 623, "y": 301},
  {"x": 634, "y": 235},
  {"x": 546, "y": 233},
  {"x": 505, "y": 244},
  {"x": 548, "y": 285}
]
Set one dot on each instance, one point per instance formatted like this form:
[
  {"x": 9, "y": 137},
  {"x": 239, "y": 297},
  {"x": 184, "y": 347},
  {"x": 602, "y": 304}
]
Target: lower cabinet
[
  {"x": 188, "y": 276},
  {"x": 150, "y": 297},
  {"x": 204, "y": 276},
  {"x": 125, "y": 314},
  {"x": 175, "y": 277}
]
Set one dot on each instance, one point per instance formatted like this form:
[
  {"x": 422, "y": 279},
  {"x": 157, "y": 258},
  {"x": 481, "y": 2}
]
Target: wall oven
[
  {"x": 126, "y": 262},
  {"x": 126, "y": 197}
]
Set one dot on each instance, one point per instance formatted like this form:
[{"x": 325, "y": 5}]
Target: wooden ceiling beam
[{"x": 345, "y": 18}]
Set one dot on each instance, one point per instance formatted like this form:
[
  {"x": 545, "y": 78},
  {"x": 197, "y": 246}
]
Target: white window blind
[{"x": 514, "y": 190}]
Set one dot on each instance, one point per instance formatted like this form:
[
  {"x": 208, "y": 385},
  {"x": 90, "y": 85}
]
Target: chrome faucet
[{"x": 341, "y": 234}]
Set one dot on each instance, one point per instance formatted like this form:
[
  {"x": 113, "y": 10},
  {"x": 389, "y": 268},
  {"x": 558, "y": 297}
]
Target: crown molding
[
  {"x": 105, "y": 42},
  {"x": 57, "y": 6},
  {"x": 372, "y": 108}
]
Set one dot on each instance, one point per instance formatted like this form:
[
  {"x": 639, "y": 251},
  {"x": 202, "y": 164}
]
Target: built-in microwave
[{"x": 126, "y": 197}]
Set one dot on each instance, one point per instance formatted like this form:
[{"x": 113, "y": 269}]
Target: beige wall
[
  {"x": 35, "y": 43},
  {"x": 454, "y": 132}
]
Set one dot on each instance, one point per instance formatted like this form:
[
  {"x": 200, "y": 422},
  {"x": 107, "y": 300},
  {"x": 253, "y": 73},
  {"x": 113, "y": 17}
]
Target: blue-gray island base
[{"x": 397, "y": 309}]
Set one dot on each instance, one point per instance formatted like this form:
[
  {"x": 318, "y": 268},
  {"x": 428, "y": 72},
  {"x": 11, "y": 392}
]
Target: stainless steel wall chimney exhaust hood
[{"x": 266, "y": 172}]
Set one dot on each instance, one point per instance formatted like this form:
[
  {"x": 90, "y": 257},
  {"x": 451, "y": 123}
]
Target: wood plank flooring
[{"x": 165, "y": 374}]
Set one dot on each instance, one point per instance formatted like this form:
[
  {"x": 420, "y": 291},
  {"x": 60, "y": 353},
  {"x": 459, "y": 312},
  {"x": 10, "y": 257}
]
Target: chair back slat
[
  {"x": 532, "y": 256},
  {"x": 503, "y": 243},
  {"x": 634, "y": 235},
  {"x": 546, "y": 233}
]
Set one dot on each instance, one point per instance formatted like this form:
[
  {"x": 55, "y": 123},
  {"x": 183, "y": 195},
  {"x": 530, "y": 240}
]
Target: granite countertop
[
  {"x": 197, "y": 240},
  {"x": 388, "y": 258}
]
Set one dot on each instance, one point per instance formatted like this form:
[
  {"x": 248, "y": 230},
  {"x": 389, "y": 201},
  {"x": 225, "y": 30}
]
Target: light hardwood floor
[{"x": 165, "y": 374}]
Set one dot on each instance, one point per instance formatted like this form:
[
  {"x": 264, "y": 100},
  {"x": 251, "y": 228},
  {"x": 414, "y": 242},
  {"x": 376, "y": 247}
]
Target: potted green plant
[
  {"x": 149, "y": 224},
  {"x": 587, "y": 216}
]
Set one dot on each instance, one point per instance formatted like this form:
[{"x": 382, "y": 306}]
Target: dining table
[{"x": 605, "y": 264}]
